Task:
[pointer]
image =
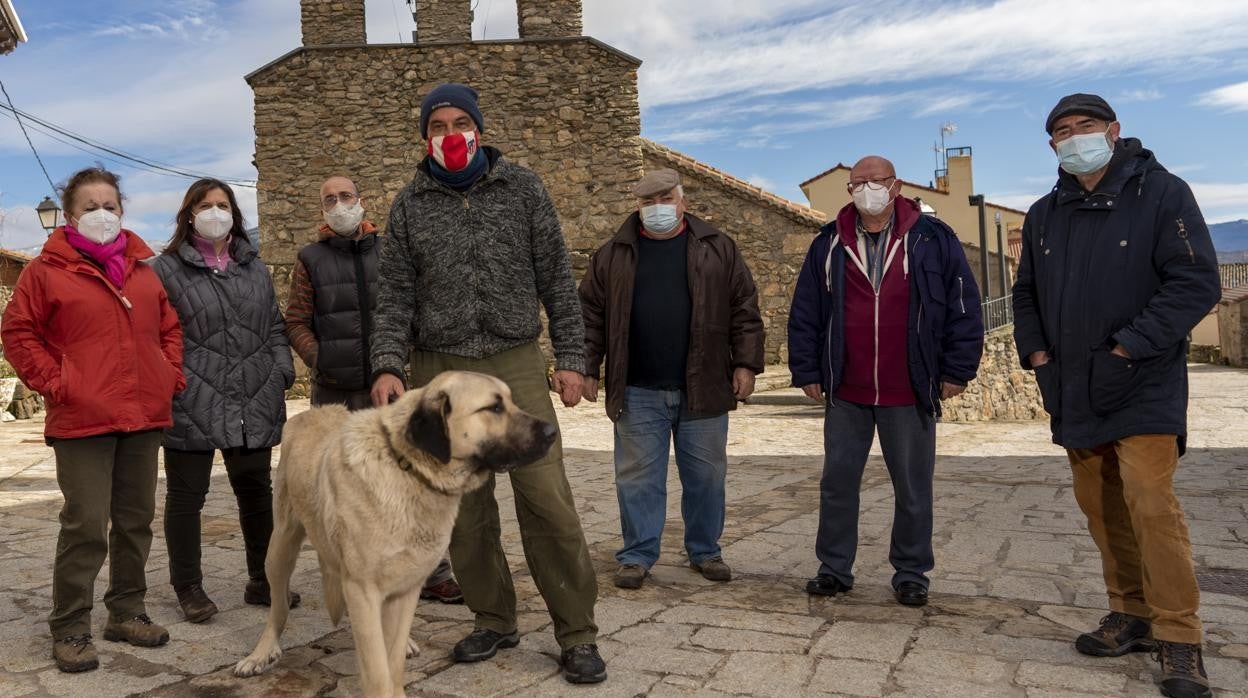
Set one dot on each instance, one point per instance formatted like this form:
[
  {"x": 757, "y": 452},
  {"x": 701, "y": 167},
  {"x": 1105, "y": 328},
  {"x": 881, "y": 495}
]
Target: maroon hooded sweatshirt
[{"x": 877, "y": 323}]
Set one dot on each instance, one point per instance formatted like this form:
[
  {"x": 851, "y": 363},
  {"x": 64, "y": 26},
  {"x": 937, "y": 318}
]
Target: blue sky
[{"x": 773, "y": 92}]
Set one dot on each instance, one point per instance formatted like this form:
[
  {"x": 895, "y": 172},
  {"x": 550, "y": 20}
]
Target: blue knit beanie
[{"x": 451, "y": 94}]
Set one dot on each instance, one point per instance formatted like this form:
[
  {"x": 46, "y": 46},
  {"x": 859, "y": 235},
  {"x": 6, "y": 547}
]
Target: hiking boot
[
  {"x": 1119, "y": 634},
  {"x": 583, "y": 664},
  {"x": 446, "y": 592},
  {"x": 139, "y": 631},
  {"x": 196, "y": 605},
  {"x": 826, "y": 585},
  {"x": 483, "y": 644},
  {"x": 75, "y": 653},
  {"x": 630, "y": 576},
  {"x": 1182, "y": 670},
  {"x": 257, "y": 593},
  {"x": 713, "y": 568}
]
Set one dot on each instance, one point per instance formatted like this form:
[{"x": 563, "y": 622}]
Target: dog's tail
[{"x": 335, "y": 602}]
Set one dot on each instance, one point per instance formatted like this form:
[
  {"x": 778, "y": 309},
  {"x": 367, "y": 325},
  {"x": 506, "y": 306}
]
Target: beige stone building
[
  {"x": 558, "y": 102},
  {"x": 949, "y": 200},
  {"x": 11, "y": 32}
]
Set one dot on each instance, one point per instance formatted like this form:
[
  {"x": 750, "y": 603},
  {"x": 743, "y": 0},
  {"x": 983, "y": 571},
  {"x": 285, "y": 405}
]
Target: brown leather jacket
[{"x": 725, "y": 331}]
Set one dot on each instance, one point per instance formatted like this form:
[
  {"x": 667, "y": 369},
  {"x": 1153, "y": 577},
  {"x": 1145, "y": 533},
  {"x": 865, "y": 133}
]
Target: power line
[
  {"x": 97, "y": 146},
  {"x": 28, "y": 141}
]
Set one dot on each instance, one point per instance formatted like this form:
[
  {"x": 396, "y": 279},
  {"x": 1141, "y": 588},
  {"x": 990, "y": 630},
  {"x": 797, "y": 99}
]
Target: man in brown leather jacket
[{"x": 671, "y": 305}]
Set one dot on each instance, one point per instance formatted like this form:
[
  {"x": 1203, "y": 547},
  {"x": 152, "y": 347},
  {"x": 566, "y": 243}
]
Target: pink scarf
[{"x": 110, "y": 255}]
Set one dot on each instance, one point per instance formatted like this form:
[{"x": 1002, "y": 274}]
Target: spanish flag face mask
[{"x": 454, "y": 151}]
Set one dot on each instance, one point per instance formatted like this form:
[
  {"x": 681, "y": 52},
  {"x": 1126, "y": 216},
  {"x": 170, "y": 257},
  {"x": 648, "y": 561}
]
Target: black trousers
[{"x": 188, "y": 474}]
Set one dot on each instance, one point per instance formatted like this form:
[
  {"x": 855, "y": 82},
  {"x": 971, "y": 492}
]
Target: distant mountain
[{"x": 1230, "y": 239}]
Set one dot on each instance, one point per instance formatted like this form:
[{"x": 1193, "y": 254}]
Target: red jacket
[
  {"x": 876, "y": 331},
  {"x": 105, "y": 359}
]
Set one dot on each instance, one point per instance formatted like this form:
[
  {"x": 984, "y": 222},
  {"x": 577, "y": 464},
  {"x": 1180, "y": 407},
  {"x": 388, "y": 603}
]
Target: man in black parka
[{"x": 1117, "y": 268}]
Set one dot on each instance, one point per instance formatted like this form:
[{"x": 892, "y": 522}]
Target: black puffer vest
[{"x": 344, "y": 280}]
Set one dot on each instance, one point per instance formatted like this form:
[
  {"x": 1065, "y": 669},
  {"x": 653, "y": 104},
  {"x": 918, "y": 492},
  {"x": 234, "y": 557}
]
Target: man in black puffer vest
[{"x": 329, "y": 316}]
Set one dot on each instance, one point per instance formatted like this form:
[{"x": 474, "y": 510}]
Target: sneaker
[
  {"x": 630, "y": 576},
  {"x": 483, "y": 644},
  {"x": 1119, "y": 634},
  {"x": 75, "y": 653},
  {"x": 826, "y": 585},
  {"x": 257, "y": 593},
  {"x": 139, "y": 631},
  {"x": 446, "y": 592},
  {"x": 196, "y": 605},
  {"x": 1182, "y": 670},
  {"x": 713, "y": 568},
  {"x": 583, "y": 664}
]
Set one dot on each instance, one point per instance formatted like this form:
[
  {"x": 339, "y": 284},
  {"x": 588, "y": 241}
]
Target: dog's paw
[
  {"x": 413, "y": 649},
  {"x": 257, "y": 663}
]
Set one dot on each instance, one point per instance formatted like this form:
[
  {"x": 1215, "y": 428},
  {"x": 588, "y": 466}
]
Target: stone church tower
[{"x": 558, "y": 102}]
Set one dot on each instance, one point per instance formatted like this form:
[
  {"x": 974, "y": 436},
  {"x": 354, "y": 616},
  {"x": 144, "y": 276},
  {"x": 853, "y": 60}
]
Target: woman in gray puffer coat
[{"x": 238, "y": 366}]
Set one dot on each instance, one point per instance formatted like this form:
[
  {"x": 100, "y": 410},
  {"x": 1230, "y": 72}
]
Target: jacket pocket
[
  {"x": 1112, "y": 381},
  {"x": 1049, "y": 380},
  {"x": 68, "y": 377}
]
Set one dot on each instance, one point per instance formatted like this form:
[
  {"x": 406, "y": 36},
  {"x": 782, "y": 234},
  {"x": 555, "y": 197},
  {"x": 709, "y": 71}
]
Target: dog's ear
[{"x": 427, "y": 427}]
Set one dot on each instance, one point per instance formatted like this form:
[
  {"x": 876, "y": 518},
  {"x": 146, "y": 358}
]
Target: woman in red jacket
[{"x": 91, "y": 329}]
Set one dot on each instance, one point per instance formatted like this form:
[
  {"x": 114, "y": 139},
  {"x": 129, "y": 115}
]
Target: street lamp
[{"x": 48, "y": 213}]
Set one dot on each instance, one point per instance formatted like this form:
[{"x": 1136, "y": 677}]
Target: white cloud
[
  {"x": 20, "y": 228},
  {"x": 1230, "y": 97},
  {"x": 1221, "y": 201},
  {"x": 696, "y": 51},
  {"x": 1145, "y": 94}
]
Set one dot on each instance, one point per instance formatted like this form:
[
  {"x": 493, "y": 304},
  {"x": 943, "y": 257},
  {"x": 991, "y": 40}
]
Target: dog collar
[{"x": 406, "y": 466}]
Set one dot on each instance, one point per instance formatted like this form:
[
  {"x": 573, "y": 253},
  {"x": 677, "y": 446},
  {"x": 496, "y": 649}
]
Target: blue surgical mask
[
  {"x": 1085, "y": 153},
  {"x": 660, "y": 218}
]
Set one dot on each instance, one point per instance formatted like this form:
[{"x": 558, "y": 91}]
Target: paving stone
[
  {"x": 1068, "y": 678},
  {"x": 654, "y": 634},
  {"x": 668, "y": 661},
  {"x": 788, "y": 624},
  {"x": 620, "y": 683},
  {"x": 850, "y": 676},
  {"x": 508, "y": 672},
  {"x": 934, "y": 666},
  {"x": 763, "y": 674},
  {"x": 882, "y": 642},
  {"x": 735, "y": 640}
]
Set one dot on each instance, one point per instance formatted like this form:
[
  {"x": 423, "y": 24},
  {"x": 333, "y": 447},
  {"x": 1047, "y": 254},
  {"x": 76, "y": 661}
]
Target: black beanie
[{"x": 451, "y": 94}]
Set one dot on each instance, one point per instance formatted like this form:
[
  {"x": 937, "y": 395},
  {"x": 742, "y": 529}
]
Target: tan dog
[{"x": 377, "y": 493}]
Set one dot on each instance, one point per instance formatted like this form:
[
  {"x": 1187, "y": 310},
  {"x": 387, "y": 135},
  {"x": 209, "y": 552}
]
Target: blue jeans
[{"x": 642, "y": 436}]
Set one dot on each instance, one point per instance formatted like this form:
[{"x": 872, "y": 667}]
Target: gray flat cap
[
  {"x": 656, "y": 182},
  {"x": 1083, "y": 104}
]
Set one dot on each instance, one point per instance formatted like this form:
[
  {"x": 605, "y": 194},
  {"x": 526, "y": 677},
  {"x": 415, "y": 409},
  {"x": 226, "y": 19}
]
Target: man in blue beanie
[{"x": 472, "y": 247}]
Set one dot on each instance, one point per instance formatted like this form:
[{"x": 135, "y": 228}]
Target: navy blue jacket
[
  {"x": 1130, "y": 263},
  {"x": 946, "y": 330}
]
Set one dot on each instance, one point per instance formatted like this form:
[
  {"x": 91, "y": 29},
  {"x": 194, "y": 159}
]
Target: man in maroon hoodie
[{"x": 885, "y": 324}]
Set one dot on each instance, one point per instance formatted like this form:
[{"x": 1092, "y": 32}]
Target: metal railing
[
  {"x": 998, "y": 312},
  {"x": 1234, "y": 275}
]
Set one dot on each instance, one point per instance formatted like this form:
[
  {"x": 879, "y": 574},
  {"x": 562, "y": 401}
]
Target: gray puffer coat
[{"x": 236, "y": 358}]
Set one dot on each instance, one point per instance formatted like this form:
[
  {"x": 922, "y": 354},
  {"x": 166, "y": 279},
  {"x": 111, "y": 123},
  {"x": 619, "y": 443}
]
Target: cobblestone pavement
[{"x": 1016, "y": 578}]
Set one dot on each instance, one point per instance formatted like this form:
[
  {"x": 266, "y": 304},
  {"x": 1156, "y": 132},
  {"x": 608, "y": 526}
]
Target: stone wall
[
  {"x": 443, "y": 20},
  {"x": 332, "y": 22},
  {"x": 545, "y": 18},
  {"x": 1002, "y": 391},
  {"x": 1233, "y": 329},
  {"x": 773, "y": 234}
]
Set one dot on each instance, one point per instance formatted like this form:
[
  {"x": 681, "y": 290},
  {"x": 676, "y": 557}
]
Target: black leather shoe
[
  {"x": 257, "y": 593},
  {"x": 483, "y": 644},
  {"x": 583, "y": 664},
  {"x": 826, "y": 585},
  {"x": 911, "y": 594}
]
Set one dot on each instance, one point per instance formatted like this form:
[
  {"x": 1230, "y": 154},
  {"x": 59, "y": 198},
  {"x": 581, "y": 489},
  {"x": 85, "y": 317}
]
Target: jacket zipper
[
  {"x": 1183, "y": 236},
  {"x": 361, "y": 288},
  {"x": 961, "y": 296}
]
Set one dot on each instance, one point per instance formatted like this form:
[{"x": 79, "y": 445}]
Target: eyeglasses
[
  {"x": 875, "y": 184},
  {"x": 332, "y": 200}
]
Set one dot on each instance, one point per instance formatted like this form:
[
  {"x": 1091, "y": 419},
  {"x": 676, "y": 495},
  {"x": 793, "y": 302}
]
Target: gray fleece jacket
[{"x": 462, "y": 273}]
